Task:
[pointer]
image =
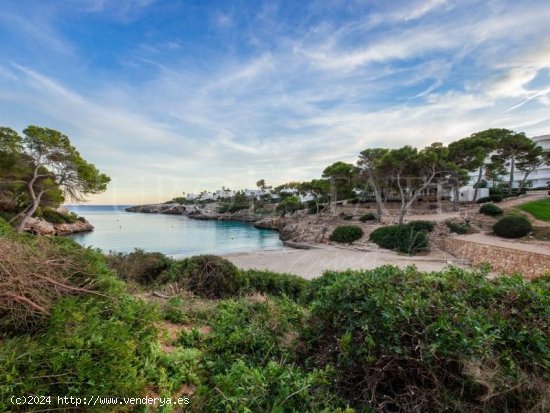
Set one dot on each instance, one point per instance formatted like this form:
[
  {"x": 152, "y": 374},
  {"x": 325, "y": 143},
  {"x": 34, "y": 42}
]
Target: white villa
[{"x": 539, "y": 178}]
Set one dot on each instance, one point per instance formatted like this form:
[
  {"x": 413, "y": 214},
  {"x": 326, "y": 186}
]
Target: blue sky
[{"x": 168, "y": 96}]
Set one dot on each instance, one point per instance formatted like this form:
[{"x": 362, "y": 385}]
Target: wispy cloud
[{"x": 259, "y": 94}]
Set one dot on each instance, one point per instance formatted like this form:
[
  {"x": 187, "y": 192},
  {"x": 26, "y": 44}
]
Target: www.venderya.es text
[{"x": 98, "y": 401}]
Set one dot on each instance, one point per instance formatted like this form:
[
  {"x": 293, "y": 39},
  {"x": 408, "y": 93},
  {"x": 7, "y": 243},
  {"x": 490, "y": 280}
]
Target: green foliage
[
  {"x": 91, "y": 346},
  {"x": 490, "y": 209},
  {"x": 427, "y": 226},
  {"x": 483, "y": 200},
  {"x": 172, "y": 310},
  {"x": 346, "y": 233},
  {"x": 273, "y": 283},
  {"x": 346, "y": 217},
  {"x": 274, "y": 387},
  {"x": 539, "y": 209},
  {"x": 458, "y": 228},
  {"x": 138, "y": 266},
  {"x": 207, "y": 276},
  {"x": 289, "y": 204},
  {"x": 369, "y": 216},
  {"x": 56, "y": 217},
  {"x": 405, "y": 238},
  {"x": 496, "y": 198},
  {"x": 452, "y": 336},
  {"x": 512, "y": 226}
]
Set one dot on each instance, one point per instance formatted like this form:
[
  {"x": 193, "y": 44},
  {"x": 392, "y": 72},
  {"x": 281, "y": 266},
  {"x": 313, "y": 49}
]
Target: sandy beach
[{"x": 313, "y": 262}]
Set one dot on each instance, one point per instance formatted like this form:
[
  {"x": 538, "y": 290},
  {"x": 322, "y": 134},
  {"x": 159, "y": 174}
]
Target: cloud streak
[{"x": 257, "y": 94}]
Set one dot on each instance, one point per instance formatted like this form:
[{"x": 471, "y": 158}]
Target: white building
[
  {"x": 466, "y": 193},
  {"x": 541, "y": 177},
  {"x": 308, "y": 196}
]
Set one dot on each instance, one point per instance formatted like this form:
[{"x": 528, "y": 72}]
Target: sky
[{"x": 169, "y": 96}]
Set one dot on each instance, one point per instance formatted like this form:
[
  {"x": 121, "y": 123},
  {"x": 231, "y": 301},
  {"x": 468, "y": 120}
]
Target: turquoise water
[{"x": 174, "y": 235}]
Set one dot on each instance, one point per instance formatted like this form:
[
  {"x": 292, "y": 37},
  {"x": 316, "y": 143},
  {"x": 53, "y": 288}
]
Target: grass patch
[{"x": 539, "y": 209}]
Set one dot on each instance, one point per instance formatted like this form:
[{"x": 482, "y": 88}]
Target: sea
[{"x": 174, "y": 235}]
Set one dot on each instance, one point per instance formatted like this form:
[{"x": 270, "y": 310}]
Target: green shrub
[
  {"x": 258, "y": 331},
  {"x": 512, "y": 226},
  {"x": 452, "y": 336},
  {"x": 458, "y": 228},
  {"x": 369, "y": 216},
  {"x": 496, "y": 198},
  {"x": 172, "y": 310},
  {"x": 290, "y": 204},
  {"x": 138, "y": 266},
  {"x": 347, "y": 217},
  {"x": 427, "y": 226},
  {"x": 91, "y": 346},
  {"x": 207, "y": 276},
  {"x": 273, "y": 283},
  {"x": 404, "y": 238},
  {"x": 491, "y": 210},
  {"x": 483, "y": 200},
  {"x": 274, "y": 387},
  {"x": 56, "y": 217},
  {"x": 346, "y": 233},
  {"x": 411, "y": 241}
]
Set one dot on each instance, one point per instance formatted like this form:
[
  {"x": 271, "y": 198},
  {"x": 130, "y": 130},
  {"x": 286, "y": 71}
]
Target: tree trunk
[
  {"x": 379, "y": 201},
  {"x": 480, "y": 175},
  {"x": 34, "y": 198},
  {"x": 511, "y": 181},
  {"x": 456, "y": 200}
]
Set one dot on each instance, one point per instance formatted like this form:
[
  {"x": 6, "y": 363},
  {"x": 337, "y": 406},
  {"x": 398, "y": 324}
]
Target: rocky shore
[{"x": 41, "y": 227}]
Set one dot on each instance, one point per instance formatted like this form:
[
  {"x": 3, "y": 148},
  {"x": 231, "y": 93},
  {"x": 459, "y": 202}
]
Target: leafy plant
[
  {"x": 207, "y": 276},
  {"x": 455, "y": 337},
  {"x": 512, "y": 226},
  {"x": 346, "y": 233},
  {"x": 490, "y": 209},
  {"x": 404, "y": 238},
  {"x": 458, "y": 228},
  {"x": 138, "y": 266},
  {"x": 273, "y": 283},
  {"x": 427, "y": 226},
  {"x": 369, "y": 216}
]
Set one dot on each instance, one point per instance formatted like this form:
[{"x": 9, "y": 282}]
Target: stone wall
[{"x": 502, "y": 260}]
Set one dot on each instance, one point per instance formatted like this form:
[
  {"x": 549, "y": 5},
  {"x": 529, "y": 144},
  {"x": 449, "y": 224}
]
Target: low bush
[
  {"x": 346, "y": 233},
  {"x": 496, "y": 198},
  {"x": 455, "y": 337},
  {"x": 483, "y": 200},
  {"x": 56, "y": 217},
  {"x": 458, "y": 228},
  {"x": 138, "y": 266},
  {"x": 427, "y": 226},
  {"x": 404, "y": 238},
  {"x": 207, "y": 276},
  {"x": 369, "y": 216},
  {"x": 512, "y": 226},
  {"x": 491, "y": 210},
  {"x": 347, "y": 217},
  {"x": 273, "y": 283}
]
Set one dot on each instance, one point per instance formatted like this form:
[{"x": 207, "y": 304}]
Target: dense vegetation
[
  {"x": 512, "y": 226},
  {"x": 408, "y": 238},
  {"x": 491, "y": 210},
  {"x": 382, "y": 340},
  {"x": 346, "y": 234}
]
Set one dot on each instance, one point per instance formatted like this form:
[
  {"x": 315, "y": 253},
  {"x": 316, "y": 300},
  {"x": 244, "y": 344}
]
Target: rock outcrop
[
  {"x": 174, "y": 209},
  {"x": 41, "y": 227}
]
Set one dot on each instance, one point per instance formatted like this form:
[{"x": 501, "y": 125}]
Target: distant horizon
[{"x": 166, "y": 97}]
